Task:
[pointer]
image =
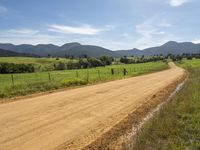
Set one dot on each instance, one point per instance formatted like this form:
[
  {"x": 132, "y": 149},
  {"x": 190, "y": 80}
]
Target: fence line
[{"x": 87, "y": 75}]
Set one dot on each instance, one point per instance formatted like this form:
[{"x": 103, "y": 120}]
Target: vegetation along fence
[{"x": 41, "y": 81}]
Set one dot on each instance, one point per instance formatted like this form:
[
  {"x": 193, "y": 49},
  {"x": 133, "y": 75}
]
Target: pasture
[
  {"x": 41, "y": 64},
  {"x": 194, "y": 63},
  {"x": 26, "y": 83}
]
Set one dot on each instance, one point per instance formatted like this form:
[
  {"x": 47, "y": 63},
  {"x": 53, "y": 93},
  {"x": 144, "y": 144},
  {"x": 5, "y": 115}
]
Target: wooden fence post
[
  {"x": 112, "y": 71},
  {"x": 87, "y": 76},
  {"x": 12, "y": 78},
  {"x": 99, "y": 75},
  {"x": 125, "y": 71},
  {"x": 49, "y": 77}
]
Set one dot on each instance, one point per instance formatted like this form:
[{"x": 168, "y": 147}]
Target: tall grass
[
  {"x": 26, "y": 83},
  {"x": 177, "y": 125}
]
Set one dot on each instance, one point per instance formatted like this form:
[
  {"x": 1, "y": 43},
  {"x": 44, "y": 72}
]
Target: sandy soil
[{"x": 75, "y": 118}]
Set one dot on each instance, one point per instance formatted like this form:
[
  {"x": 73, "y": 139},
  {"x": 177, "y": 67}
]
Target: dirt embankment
[{"x": 91, "y": 117}]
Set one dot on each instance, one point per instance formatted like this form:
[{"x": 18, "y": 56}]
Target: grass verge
[{"x": 177, "y": 124}]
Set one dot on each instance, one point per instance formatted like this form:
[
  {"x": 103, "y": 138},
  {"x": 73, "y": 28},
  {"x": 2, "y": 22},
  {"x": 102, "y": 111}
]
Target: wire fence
[
  {"x": 23, "y": 83},
  {"x": 88, "y": 75}
]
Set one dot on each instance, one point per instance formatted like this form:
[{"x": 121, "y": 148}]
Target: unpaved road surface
[{"x": 76, "y": 117}]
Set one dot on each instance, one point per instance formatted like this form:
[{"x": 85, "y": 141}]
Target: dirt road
[{"x": 79, "y": 116}]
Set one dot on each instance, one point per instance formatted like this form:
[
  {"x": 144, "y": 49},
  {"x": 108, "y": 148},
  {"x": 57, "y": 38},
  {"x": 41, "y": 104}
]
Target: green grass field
[
  {"x": 195, "y": 63},
  {"x": 41, "y": 64},
  {"x": 177, "y": 125},
  {"x": 26, "y": 83}
]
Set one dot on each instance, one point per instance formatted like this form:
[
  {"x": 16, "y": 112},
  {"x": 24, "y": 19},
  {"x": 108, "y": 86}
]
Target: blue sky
[{"x": 114, "y": 24}]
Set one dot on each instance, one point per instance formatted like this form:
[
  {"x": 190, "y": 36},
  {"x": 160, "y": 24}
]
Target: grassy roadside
[
  {"x": 29, "y": 83},
  {"x": 177, "y": 124}
]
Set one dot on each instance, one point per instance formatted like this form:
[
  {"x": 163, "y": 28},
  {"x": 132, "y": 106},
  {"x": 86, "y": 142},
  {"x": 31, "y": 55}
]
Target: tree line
[
  {"x": 90, "y": 62},
  {"x": 141, "y": 59},
  {"x": 16, "y": 68},
  {"x": 84, "y": 63}
]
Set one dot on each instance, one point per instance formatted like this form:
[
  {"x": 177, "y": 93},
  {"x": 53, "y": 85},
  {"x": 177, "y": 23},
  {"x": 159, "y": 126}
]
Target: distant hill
[
  {"x": 75, "y": 49},
  {"x": 130, "y": 52},
  {"x": 89, "y": 50},
  {"x": 40, "y": 49},
  {"x": 79, "y": 50},
  {"x": 7, "y": 53},
  {"x": 170, "y": 47}
]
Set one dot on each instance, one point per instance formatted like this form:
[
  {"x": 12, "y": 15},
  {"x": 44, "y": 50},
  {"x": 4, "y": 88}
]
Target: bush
[
  {"x": 83, "y": 63},
  {"x": 74, "y": 82},
  {"x": 73, "y": 65},
  {"x": 16, "y": 68},
  {"x": 60, "y": 66},
  {"x": 93, "y": 62},
  {"x": 106, "y": 60}
]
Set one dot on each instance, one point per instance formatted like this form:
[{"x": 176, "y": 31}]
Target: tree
[
  {"x": 124, "y": 60},
  {"x": 93, "y": 62},
  {"x": 83, "y": 63},
  {"x": 60, "y": 66},
  {"x": 106, "y": 60}
]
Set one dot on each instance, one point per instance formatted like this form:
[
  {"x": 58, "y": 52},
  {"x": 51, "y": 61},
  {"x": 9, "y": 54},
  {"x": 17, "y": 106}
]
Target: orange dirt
[{"x": 75, "y": 118}]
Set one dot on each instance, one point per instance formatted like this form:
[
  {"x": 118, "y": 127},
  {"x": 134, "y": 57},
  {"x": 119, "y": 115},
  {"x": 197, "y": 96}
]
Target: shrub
[
  {"x": 106, "y": 60},
  {"x": 16, "y": 68},
  {"x": 60, "y": 66},
  {"x": 93, "y": 62},
  {"x": 73, "y": 82},
  {"x": 83, "y": 63},
  {"x": 73, "y": 65}
]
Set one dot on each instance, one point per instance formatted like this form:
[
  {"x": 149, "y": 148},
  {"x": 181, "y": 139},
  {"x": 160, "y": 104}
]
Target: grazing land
[
  {"x": 41, "y": 64},
  {"x": 177, "y": 124},
  {"x": 74, "y": 118},
  {"x": 26, "y": 83}
]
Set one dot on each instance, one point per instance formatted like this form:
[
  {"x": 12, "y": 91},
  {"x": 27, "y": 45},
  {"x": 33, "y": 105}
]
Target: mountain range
[{"x": 79, "y": 50}]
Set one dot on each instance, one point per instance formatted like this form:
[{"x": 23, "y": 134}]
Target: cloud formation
[
  {"x": 83, "y": 29},
  {"x": 23, "y": 31},
  {"x": 151, "y": 34},
  {"x": 196, "y": 40},
  {"x": 176, "y": 3}
]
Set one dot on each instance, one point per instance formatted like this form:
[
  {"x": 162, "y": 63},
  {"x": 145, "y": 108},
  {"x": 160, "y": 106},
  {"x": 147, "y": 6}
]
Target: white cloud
[
  {"x": 83, "y": 29},
  {"x": 151, "y": 34},
  {"x": 25, "y": 36},
  {"x": 23, "y": 31},
  {"x": 196, "y": 41},
  {"x": 176, "y": 3}
]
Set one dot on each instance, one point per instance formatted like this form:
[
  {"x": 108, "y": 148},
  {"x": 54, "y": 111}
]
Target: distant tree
[
  {"x": 85, "y": 56},
  {"x": 16, "y": 68},
  {"x": 94, "y": 62},
  {"x": 83, "y": 63},
  {"x": 49, "y": 56},
  {"x": 124, "y": 60},
  {"x": 60, "y": 66},
  {"x": 106, "y": 60}
]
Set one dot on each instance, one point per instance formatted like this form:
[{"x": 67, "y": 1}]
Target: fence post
[
  {"x": 77, "y": 74},
  {"x": 99, "y": 75},
  {"x": 125, "y": 71},
  {"x": 87, "y": 76},
  {"x": 49, "y": 77},
  {"x": 112, "y": 71},
  {"x": 12, "y": 78}
]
